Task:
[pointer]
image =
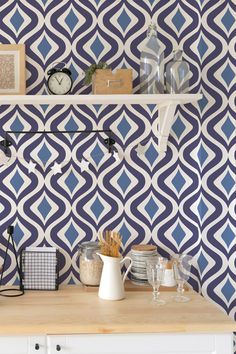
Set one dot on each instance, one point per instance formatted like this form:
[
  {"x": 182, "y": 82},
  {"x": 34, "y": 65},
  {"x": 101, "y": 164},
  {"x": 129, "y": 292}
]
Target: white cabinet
[
  {"x": 119, "y": 344},
  {"x": 23, "y": 345}
]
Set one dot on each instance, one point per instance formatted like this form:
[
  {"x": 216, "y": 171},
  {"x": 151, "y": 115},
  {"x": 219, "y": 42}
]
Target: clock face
[{"x": 59, "y": 83}]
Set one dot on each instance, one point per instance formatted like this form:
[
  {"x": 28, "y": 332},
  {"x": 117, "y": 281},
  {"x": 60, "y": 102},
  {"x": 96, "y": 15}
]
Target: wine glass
[
  {"x": 182, "y": 271},
  {"x": 155, "y": 272}
]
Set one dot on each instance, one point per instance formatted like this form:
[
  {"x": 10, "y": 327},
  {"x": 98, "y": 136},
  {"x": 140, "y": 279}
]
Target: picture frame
[{"x": 12, "y": 69}]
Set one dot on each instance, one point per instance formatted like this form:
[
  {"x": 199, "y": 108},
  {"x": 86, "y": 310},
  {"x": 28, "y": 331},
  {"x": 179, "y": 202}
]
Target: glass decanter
[
  {"x": 177, "y": 74},
  {"x": 152, "y": 64}
]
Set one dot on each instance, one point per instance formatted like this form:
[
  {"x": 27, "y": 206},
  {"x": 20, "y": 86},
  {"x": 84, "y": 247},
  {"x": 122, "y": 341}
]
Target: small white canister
[{"x": 169, "y": 279}]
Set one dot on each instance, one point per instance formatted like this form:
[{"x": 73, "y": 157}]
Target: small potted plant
[{"x": 92, "y": 70}]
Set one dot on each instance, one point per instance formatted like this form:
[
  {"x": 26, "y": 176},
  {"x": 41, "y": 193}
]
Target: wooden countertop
[{"x": 71, "y": 310}]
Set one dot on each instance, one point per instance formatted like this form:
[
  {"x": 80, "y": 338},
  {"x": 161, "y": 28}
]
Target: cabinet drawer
[
  {"x": 23, "y": 345},
  {"x": 141, "y": 344},
  {"x": 14, "y": 345}
]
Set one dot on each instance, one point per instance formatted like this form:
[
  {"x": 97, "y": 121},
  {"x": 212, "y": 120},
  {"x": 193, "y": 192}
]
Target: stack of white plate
[{"x": 140, "y": 254}]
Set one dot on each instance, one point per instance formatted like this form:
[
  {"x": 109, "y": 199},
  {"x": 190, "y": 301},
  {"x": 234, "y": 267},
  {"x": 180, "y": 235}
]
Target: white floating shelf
[
  {"x": 160, "y": 100},
  {"x": 166, "y": 104}
]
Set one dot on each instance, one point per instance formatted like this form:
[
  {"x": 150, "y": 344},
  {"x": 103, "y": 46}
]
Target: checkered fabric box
[{"x": 39, "y": 268}]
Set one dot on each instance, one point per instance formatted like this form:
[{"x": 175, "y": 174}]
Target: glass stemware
[
  {"x": 155, "y": 272},
  {"x": 182, "y": 270}
]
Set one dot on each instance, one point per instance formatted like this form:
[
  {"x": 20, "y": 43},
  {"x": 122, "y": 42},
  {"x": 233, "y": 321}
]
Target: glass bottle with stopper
[
  {"x": 177, "y": 74},
  {"x": 152, "y": 64}
]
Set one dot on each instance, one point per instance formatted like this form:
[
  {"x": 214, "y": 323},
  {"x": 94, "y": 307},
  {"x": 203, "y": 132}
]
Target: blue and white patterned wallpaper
[{"x": 184, "y": 200}]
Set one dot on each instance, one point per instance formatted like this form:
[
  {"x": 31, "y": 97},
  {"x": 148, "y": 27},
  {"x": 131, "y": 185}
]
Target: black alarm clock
[{"x": 59, "y": 81}]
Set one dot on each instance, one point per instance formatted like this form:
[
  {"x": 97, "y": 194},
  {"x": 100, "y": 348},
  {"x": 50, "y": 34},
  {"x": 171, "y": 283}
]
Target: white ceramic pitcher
[{"x": 111, "y": 283}]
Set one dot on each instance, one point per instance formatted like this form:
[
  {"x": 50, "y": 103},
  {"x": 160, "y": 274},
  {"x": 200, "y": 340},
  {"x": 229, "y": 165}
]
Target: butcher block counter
[
  {"x": 73, "y": 310},
  {"x": 74, "y": 321}
]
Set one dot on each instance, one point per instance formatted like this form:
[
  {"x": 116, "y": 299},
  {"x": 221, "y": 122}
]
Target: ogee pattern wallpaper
[{"x": 184, "y": 200}]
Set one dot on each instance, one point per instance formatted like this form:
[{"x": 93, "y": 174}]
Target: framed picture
[{"x": 12, "y": 69}]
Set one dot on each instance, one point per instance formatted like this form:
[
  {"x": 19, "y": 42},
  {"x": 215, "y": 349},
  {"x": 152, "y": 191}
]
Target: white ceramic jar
[{"x": 169, "y": 279}]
